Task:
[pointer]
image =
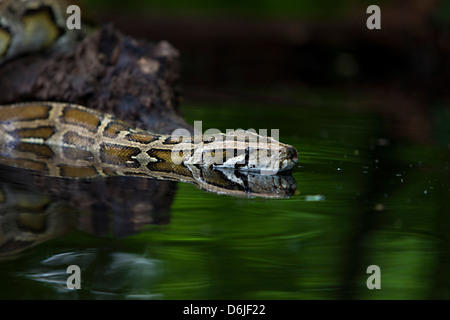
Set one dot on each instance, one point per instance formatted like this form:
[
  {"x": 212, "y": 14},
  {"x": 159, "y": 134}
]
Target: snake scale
[{"x": 68, "y": 140}]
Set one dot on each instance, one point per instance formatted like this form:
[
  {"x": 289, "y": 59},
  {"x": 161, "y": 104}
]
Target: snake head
[
  {"x": 273, "y": 158},
  {"x": 248, "y": 151},
  {"x": 288, "y": 157}
]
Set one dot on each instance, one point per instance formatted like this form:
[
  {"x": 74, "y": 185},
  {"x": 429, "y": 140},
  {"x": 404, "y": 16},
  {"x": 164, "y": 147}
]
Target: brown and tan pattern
[{"x": 67, "y": 140}]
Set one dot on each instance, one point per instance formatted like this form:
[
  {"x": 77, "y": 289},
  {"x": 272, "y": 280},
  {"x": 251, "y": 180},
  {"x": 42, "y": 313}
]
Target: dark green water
[{"x": 364, "y": 198}]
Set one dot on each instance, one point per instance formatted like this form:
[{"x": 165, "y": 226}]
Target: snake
[
  {"x": 69, "y": 140},
  {"x": 87, "y": 143}
]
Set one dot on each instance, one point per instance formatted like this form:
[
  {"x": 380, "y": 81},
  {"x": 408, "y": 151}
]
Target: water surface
[{"x": 365, "y": 196}]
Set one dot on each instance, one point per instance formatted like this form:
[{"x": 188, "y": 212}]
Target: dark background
[{"x": 298, "y": 52}]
